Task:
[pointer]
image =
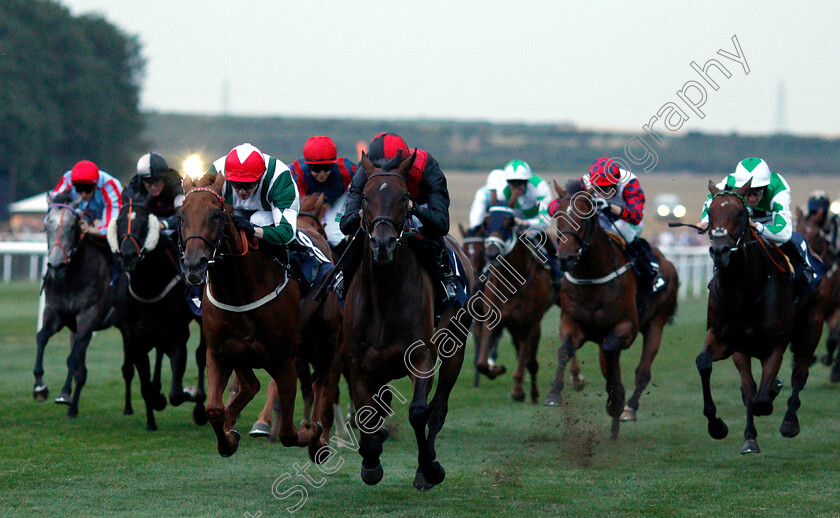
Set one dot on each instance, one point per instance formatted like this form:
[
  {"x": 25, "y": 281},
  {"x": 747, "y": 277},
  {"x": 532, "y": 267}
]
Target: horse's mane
[
  {"x": 312, "y": 203},
  {"x": 575, "y": 186},
  {"x": 389, "y": 164}
]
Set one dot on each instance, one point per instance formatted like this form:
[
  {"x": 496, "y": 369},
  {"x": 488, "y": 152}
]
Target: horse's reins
[
  {"x": 504, "y": 246},
  {"x": 385, "y": 219},
  {"x": 57, "y": 243}
]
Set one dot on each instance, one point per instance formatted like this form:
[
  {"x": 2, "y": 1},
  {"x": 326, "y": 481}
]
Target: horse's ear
[
  {"x": 187, "y": 183},
  {"x": 713, "y": 188},
  {"x": 745, "y": 188},
  {"x": 462, "y": 229},
  {"x": 559, "y": 190},
  {"x": 799, "y": 213},
  {"x": 366, "y": 164},
  {"x": 218, "y": 183},
  {"x": 406, "y": 165},
  {"x": 494, "y": 197}
]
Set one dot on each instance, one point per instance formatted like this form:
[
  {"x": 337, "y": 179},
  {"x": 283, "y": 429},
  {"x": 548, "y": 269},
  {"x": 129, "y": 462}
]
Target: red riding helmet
[
  {"x": 320, "y": 150},
  {"x": 386, "y": 145},
  {"x": 244, "y": 163},
  {"x": 604, "y": 172},
  {"x": 84, "y": 172}
]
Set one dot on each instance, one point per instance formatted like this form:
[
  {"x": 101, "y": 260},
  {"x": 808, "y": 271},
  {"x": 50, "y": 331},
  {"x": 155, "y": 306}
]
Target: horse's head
[
  {"x": 577, "y": 222},
  {"x": 810, "y": 228},
  {"x": 498, "y": 229},
  {"x": 385, "y": 204},
  {"x": 134, "y": 232},
  {"x": 474, "y": 245},
  {"x": 63, "y": 237},
  {"x": 729, "y": 221},
  {"x": 203, "y": 221},
  {"x": 312, "y": 211}
]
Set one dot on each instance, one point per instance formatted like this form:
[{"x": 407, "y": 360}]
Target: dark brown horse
[
  {"x": 389, "y": 325},
  {"x": 250, "y": 314},
  {"x": 751, "y": 315},
  {"x": 321, "y": 324},
  {"x": 79, "y": 296},
  {"x": 600, "y": 301},
  {"x": 829, "y": 285}
]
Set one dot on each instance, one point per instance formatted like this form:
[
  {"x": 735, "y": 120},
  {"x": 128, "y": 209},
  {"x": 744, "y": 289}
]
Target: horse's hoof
[
  {"x": 289, "y": 440},
  {"x": 578, "y": 383},
  {"x": 420, "y": 482},
  {"x": 552, "y": 399},
  {"x": 151, "y": 427},
  {"x": 790, "y": 429},
  {"x": 826, "y": 359},
  {"x": 434, "y": 474},
  {"x": 260, "y": 430},
  {"x": 159, "y": 402},
  {"x": 718, "y": 429},
  {"x": 750, "y": 446},
  {"x": 372, "y": 476},
  {"x": 517, "y": 396},
  {"x": 535, "y": 396},
  {"x": 191, "y": 393},
  {"x": 778, "y": 383},
  {"x": 40, "y": 393},
  {"x": 232, "y": 444},
  {"x": 128, "y": 411},
  {"x": 628, "y": 415},
  {"x": 834, "y": 377},
  {"x": 72, "y": 411},
  {"x": 199, "y": 416},
  {"x": 63, "y": 399}
]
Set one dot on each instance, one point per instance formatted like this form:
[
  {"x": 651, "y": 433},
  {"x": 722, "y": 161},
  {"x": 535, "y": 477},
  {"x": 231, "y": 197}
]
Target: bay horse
[
  {"x": 152, "y": 309},
  {"x": 250, "y": 315},
  {"x": 321, "y": 324},
  {"x": 830, "y": 284},
  {"x": 79, "y": 296},
  {"x": 389, "y": 325},
  {"x": 751, "y": 315},
  {"x": 601, "y": 304}
]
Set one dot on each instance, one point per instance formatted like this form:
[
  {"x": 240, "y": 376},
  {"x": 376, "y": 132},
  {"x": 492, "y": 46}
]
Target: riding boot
[
  {"x": 646, "y": 265},
  {"x": 551, "y": 255},
  {"x": 352, "y": 260},
  {"x": 802, "y": 270},
  {"x": 447, "y": 277}
]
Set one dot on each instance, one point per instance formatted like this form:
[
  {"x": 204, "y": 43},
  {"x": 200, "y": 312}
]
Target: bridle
[
  {"x": 223, "y": 221},
  {"x": 398, "y": 228},
  {"x": 505, "y": 246},
  {"x": 67, "y": 253},
  {"x": 720, "y": 232},
  {"x": 129, "y": 234},
  {"x": 588, "y": 233}
]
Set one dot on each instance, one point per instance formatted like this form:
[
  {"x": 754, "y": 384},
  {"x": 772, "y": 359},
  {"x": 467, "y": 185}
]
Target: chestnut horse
[
  {"x": 250, "y": 315},
  {"x": 830, "y": 284},
  {"x": 388, "y": 327},
  {"x": 600, "y": 303},
  {"x": 751, "y": 315}
]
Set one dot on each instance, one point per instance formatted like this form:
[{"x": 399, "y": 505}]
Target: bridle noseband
[
  {"x": 588, "y": 234},
  {"x": 129, "y": 235},
  {"x": 67, "y": 254},
  {"x": 720, "y": 232},
  {"x": 214, "y": 247},
  {"x": 398, "y": 228}
]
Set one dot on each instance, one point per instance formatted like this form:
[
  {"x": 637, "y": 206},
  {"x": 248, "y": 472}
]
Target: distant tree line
[{"x": 69, "y": 91}]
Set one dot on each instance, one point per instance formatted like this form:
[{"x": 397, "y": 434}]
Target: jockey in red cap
[
  {"x": 429, "y": 205},
  {"x": 321, "y": 170},
  {"x": 96, "y": 192}
]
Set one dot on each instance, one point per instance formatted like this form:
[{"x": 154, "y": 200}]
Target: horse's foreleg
[
  {"x": 486, "y": 339},
  {"x": 611, "y": 368},
  {"x": 650, "y": 347},
  {"x": 262, "y": 428},
  {"x": 748, "y": 389},
  {"x": 217, "y": 377},
  {"x": 249, "y": 385},
  {"x": 76, "y": 360},
  {"x": 769, "y": 387},
  {"x": 533, "y": 365},
  {"x": 522, "y": 346},
  {"x": 151, "y": 395},
  {"x": 833, "y": 323},
  {"x": 51, "y": 326},
  {"x": 178, "y": 364},
  {"x": 717, "y": 428},
  {"x": 128, "y": 376},
  {"x": 372, "y": 435},
  {"x": 805, "y": 340},
  {"x": 199, "y": 416},
  {"x": 66, "y": 394},
  {"x": 418, "y": 416},
  {"x": 285, "y": 376},
  {"x": 567, "y": 349}
]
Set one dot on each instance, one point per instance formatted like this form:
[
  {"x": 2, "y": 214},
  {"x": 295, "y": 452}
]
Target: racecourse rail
[{"x": 693, "y": 263}]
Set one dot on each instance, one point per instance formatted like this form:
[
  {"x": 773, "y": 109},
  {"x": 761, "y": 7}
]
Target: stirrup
[
  {"x": 449, "y": 289},
  {"x": 658, "y": 283}
]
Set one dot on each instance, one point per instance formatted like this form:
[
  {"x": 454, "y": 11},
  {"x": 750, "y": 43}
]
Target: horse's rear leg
[
  {"x": 51, "y": 326},
  {"x": 285, "y": 375},
  {"x": 831, "y": 343},
  {"x": 486, "y": 340},
  {"x": 650, "y": 347},
  {"x": 611, "y": 368},
  {"x": 533, "y": 365},
  {"x": 578, "y": 381},
  {"x": 564, "y": 352},
  {"x": 199, "y": 416},
  {"x": 66, "y": 395},
  {"x": 769, "y": 387},
  {"x": 128, "y": 376},
  {"x": 262, "y": 427},
  {"x": 76, "y": 360},
  {"x": 418, "y": 416},
  {"x": 178, "y": 364},
  {"x": 806, "y": 337},
  {"x": 372, "y": 437},
  {"x": 217, "y": 378},
  {"x": 522, "y": 346},
  {"x": 748, "y": 389},
  {"x": 712, "y": 350}
]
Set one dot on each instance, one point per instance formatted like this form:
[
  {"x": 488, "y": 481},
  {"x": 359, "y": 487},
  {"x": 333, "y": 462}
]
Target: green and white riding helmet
[
  {"x": 754, "y": 168},
  {"x": 517, "y": 170}
]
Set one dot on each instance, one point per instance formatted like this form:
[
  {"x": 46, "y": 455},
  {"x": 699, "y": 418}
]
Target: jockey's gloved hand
[{"x": 243, "y": 224}]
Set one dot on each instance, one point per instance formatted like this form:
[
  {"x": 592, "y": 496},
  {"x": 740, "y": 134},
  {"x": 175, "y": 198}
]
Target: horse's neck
[
  {"x": 600, "y": 259},
  {"x": 394, "y": 283},
  {"x": 239, "y": 278},
  {"x": 155, "y": 270},
  {"x": 746, "y": 274},
  {"x": 89, "y": 257},
  {"x": 521, "y": 259}
]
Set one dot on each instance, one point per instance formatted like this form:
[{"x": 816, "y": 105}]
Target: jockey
[
  {"x": 429, "y": 205},
  {"x": 265, "y": 203},
  {"x": 95, "y": 191},
  {"x": 768, "y": 201},
  {"x": 483, "y": 196},
  {"x": 528, "y": 195},
  {"x": 162, "y": 187},
  {"x": 322, "y": 171},
  {"x": 827, "y": 220},
  {"x": 622, "y": 214}
]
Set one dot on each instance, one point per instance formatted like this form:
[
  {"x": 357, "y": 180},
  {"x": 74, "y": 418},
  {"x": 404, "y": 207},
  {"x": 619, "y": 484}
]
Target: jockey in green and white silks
[
  {"x": 769, "y": 205},
  {"x": 478, "y": 209}
]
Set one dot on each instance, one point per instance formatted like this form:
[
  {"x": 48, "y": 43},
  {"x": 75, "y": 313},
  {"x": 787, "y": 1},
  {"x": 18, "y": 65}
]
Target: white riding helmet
[
  {"x": 754, "y": 168},
  {"x": 495, "y": 178},
  {"x": 517, "y": 170}
]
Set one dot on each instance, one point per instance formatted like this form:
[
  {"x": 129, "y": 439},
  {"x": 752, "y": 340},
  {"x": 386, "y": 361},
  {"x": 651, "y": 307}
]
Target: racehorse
[
  {"x": 388, "y": 327},
  {"x": 245, "y": 325},
  {"x": 601, "y": 304},
  {"x": 751, "y": 315},
  {"x": 830, "y": 284},
  {"x": 152, "y": 309},
  {"x": 78, "y": 295},
  {"x": 473, "y": 244},
  {"x": 321, "y": 323}
]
